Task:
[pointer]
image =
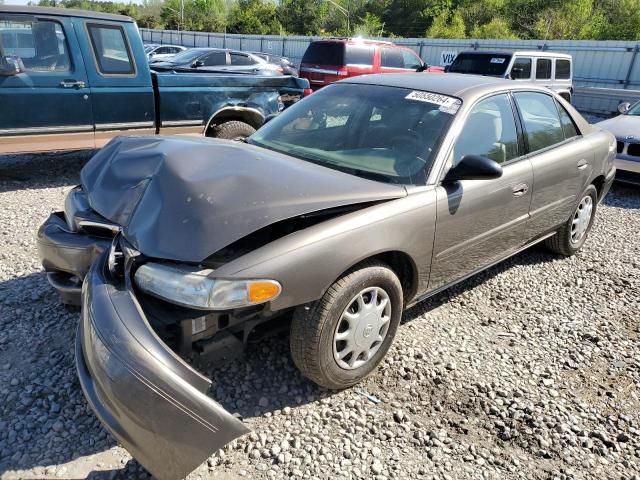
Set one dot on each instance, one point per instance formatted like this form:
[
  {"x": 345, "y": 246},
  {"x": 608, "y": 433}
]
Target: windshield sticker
[
  {"x": 497, "y": 60},
  {"x": 447, "y": 104}
]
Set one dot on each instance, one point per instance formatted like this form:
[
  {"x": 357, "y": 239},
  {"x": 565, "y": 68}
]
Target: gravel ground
[{"x": 529, "y": 370}]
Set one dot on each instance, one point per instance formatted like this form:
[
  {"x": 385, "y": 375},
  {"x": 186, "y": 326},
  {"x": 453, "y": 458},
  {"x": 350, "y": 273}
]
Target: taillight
[{"x": 306, "y": 92}]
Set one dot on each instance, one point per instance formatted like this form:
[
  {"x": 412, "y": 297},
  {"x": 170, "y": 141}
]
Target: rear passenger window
[
  {"x": 540, "y": 118},
  {"x": 489, "y": 131},
  {"x": 111, "y": 50},
  {"x": 359, "y": 55},
  {"x": 41, "y": 45},
  {"x": 543, "y": 69},
  {"x": 568, "y": 127},
  {"x": 563, "y": 69}
]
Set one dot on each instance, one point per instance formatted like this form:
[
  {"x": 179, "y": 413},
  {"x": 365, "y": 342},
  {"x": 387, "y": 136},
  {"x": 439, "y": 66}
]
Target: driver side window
[{"x": 489, "y": 131}]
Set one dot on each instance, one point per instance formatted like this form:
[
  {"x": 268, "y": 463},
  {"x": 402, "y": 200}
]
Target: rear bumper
[{"x": 143, "y": 393}]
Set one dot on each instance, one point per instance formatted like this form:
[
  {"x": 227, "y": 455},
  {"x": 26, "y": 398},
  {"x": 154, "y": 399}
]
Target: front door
[
  {"x": 48, "y": 106},
  {"x": 482, "y": 221},
  {"x": 119, "y": 77}
]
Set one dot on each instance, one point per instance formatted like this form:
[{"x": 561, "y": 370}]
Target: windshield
[
  {"x": 481, "y": 64},
  {"x": 187, "y": 56},
  {"x": 381, "y": 133}
]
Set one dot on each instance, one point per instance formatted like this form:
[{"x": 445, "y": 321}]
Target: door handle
[
  {"x": 72, "y": 84},
  {"x": 520, "y": 189},
  {"x": 582, "y": 164}
]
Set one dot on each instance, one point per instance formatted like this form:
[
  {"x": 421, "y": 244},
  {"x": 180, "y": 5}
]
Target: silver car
[
  {"x": 626, "y": 128},
  {"x": 365, "y": 198}
]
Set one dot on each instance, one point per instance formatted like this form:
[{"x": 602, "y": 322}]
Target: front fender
[{"x": 307, "y": 262}]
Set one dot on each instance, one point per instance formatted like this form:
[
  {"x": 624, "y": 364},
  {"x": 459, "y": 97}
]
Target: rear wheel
[
  {"x": 233, "y": 130},
  {"x": 571, "y": 236},
  {"x": 341, "y": 338}
]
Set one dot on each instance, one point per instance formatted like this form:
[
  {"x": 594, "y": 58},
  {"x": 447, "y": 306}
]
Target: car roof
[
  {"x": 453, "y": 84},
  {"x": 63, "y": 12},
  {"x": 528, "y": 53},
  {"x": 355, "y": 41}
]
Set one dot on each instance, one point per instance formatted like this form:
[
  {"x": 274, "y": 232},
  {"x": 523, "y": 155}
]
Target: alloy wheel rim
[
  {"x": 362, "y": 328},
  {"x": 581, "y": 219}
]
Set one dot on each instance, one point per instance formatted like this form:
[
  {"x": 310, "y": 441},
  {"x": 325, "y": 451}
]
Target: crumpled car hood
[{"x": 185, "y": 198}]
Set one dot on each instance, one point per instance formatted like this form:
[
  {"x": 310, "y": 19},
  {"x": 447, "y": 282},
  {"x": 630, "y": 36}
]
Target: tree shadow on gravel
[
  {"x": 44, "y": 170},
  {"x": 623, "y": 195}
]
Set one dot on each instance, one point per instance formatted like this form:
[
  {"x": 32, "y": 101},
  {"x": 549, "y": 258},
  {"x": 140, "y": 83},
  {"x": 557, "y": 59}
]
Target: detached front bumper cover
[{"x": 143, "y": 393}]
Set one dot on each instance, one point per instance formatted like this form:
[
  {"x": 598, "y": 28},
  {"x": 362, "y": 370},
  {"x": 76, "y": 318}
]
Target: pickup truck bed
[{"x": 71, "y": 79}]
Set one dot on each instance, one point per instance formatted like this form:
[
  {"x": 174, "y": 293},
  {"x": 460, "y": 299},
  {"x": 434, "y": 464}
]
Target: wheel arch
[
  {"x": 251, "y": 116},
  {"x": 400, "y": 263},
  {"x": 599, "y": 182}
]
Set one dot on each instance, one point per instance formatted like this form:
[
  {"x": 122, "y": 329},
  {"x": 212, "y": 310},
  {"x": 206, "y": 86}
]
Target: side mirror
[
  {"x": 447, "y": 68},
  {"x": 624, "y": 107},
  {"x": 198, "y": 63},
  {"x": 474, "y": 167},
  {"x": 421, "y": 68},
  {"x": 10, "y": 65}
]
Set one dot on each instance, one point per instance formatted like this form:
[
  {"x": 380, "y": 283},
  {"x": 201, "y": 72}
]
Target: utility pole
[{"x": 343, "y": 11}]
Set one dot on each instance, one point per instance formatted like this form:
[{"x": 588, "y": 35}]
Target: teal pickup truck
[{"x": 72, "y": 80}]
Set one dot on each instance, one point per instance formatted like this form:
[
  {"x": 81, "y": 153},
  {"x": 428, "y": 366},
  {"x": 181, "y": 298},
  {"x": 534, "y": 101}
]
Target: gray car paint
[
  {"x": 184, "y": 199},
  {"x": 444, "y": 232}
]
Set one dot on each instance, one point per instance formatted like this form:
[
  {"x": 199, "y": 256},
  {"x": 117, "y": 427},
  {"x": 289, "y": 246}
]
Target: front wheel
[
  {"x": 341, "y": 338},
  {"x": 571, "y": 236},
  {"x": 233, "y": 130}
]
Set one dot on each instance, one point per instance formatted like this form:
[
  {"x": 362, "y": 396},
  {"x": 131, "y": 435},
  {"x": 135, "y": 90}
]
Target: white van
[{"x": 553, "y": 70}]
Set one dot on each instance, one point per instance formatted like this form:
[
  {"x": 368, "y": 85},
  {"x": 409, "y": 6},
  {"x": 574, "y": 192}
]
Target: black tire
[
  {"x": 314, "y": 325},
  {"x": 562, "y": 242},
  {"x": 233, "y": 130}
]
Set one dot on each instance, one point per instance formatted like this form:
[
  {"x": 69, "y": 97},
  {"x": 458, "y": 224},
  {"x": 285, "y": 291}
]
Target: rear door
[
  {"x": 482, "y": 221},
  {"x": 48, "y": 106},
  {"x": 121, "y": 92},
  {"x": 562, "y": 160}
]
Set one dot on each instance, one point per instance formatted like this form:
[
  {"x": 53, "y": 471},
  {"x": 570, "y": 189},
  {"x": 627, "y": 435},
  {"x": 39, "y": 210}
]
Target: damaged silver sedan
[{"x": 362, "y": 199}]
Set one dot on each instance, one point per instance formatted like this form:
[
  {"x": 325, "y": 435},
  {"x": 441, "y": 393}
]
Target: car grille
[
  {"x": 620, "y": 146},
  {"x": 634, "y": 149}
]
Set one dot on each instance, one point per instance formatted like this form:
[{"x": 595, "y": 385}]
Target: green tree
[
  {"x": 369, "y": 26},
  {"x": 496, "y": 28},
  {"x": 447, "y": 25},
  {"x": 301, "y": 17},
  {"x": 256, "y": 17}
]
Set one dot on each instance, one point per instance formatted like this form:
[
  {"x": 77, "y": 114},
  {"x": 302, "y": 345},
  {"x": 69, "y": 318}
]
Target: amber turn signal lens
[{"x": 262, "y": 291}]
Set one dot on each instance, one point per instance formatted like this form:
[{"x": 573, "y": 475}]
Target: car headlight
[{"x": 192, "y": 287}]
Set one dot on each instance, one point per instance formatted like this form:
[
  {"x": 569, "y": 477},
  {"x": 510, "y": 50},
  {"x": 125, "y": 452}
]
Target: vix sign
[{"x": 447, "y": 58}]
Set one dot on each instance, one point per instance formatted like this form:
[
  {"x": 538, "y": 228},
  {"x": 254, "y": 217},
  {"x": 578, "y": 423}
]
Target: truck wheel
[
  {"x": 341, "y": 338},
  {"x": 233, "y": 130},
  {"x": 571, "y": 236}
]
